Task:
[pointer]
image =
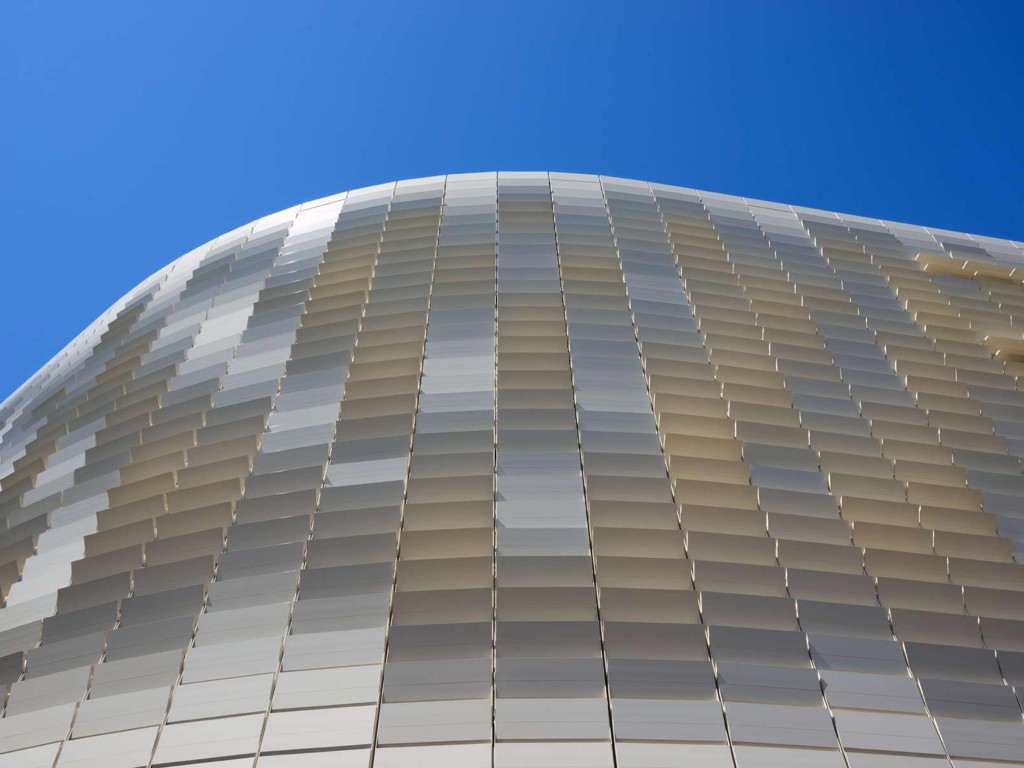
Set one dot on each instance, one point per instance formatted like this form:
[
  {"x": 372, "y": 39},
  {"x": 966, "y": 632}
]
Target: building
[{"x": 343, "y": 486}]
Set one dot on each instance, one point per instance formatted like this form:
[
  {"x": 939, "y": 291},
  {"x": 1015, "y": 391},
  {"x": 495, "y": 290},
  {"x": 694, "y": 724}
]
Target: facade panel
[{"x": 527, "y": 469}]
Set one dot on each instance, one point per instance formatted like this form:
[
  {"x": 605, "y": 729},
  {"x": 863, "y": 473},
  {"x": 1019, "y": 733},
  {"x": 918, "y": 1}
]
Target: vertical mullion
[
  {"x": 886, "y": 535},
  {"x": 680, "y": 679},
  {"x": 306, "y": 388},
  {"x": 575, "y": 216},
  {"x": 436, "y": 702},
  {"x": 239, "y": 410},
  {"x": 548, "y": 667},
  {"x": 422, "y": 201},
  {"x": 320, "y": 362}
]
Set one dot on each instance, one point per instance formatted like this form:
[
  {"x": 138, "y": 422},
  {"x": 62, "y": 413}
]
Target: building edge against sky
[
  {"x": 527, "y": 469},
  {"x": 1005, "y": 251}
]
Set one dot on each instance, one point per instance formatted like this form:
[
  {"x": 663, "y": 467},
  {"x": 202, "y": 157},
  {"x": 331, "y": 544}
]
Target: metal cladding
[{"x": 527, "y": 469}]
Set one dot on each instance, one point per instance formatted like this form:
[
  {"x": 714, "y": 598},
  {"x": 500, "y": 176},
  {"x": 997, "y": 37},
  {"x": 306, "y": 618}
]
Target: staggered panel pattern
[{"x": 527, "y": 469}]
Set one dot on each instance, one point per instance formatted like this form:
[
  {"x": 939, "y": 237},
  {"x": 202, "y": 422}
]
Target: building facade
[{"x": 527, "y": 469}]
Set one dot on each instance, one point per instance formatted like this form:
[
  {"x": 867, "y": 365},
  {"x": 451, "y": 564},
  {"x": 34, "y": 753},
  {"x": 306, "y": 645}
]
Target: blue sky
[{"x": 133, "y": 132}]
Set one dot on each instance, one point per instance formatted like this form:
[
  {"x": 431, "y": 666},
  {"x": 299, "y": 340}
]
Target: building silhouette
[{"x": 527, "y": 469}]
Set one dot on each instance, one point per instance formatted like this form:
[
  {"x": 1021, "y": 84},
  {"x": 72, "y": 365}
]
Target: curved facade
[{"x": 525, "y": 470}]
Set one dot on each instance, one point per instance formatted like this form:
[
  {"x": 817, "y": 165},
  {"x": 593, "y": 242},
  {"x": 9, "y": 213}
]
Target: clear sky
[{"x": 131, "y": 132}]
